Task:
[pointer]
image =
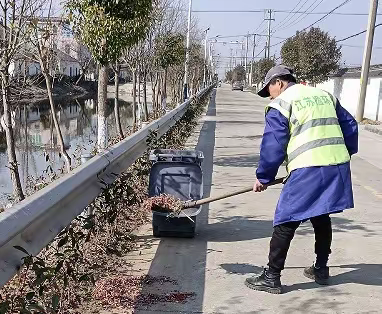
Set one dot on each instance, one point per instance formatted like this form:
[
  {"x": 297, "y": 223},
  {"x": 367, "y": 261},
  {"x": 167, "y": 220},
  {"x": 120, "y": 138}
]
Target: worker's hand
[{"x": 259, "y": 187}]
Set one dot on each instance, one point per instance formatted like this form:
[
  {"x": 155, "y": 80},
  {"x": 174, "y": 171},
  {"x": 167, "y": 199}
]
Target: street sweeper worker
[{"x": 308, "y": 129}]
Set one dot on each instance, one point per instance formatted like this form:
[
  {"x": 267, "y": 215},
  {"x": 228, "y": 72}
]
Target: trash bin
[{"x": 177, "y": 173}]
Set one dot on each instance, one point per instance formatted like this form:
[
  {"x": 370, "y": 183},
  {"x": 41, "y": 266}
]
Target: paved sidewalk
[
  {"x": 374, "y": 128},
  {"x": 233, "y": 234}
]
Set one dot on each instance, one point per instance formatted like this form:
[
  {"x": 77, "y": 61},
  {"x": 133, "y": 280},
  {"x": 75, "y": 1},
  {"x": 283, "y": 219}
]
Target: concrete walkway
[{"x": 233, "y": 235}]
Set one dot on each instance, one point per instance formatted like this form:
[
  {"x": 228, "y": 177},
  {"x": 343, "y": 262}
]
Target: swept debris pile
[
  {"x": 164, "y": 203},
  {"x": 127, "y": 291}
]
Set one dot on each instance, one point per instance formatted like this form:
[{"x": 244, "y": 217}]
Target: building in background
[
  {"x": 70, "y": 55},
  {"x": 345, "y": 85}
]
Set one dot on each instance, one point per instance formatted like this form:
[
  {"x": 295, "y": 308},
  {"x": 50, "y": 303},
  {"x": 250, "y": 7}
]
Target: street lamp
[
  {"x": 211, "y": 61},
  {"x": 185, "y": 87},
  {"x": 205, "y": 58}
]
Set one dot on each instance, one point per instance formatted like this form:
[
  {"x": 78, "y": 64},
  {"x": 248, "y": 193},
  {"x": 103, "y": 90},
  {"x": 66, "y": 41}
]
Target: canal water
[{"x": 37, "y": 148}]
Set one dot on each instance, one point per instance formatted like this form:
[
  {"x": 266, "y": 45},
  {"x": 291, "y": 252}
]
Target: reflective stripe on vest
[
  {"x": 314, "y": 144},
  {"x": 313, "y": 123},
  {"x": 316, "y": 137}
]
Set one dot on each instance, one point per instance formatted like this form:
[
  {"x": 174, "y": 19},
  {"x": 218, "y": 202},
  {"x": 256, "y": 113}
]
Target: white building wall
[
  {"x": 65, "y": 67},
  {"x": 327, "y": 86},
  {"x": 17, "y": 68},
  {"x": 347, "y": 91},
  {"x": 33, "y": 68}
]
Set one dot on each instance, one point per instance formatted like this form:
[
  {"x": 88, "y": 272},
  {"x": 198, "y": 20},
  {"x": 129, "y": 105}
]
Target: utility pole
[
  {"x": 366, "y": 59},
  {"x": 211, "y": 61},
  {"x": 231, "y": 60},
  {"x": 253, "y": 59},
  {"x": 269, "y": 19},
  {"x": 205, "y": 59},
  {"x": 185, "y": 87},
  {"x": 246, "y": 59}
]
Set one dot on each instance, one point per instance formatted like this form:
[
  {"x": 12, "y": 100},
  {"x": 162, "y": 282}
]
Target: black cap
[{"x": 276, "y": 71}]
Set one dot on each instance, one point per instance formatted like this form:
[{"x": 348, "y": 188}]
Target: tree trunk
[
  {"x": 26, "y": 161},
  {"x": 102, "y": 103},
  {"x": 192, "y": 83},
  {"x": 158, "y": 92},
  {"x": 18, "y": 193},
  {"x": 180, "y": 90},
  {"x": 152, "y": 91},
  {"x": 25, "y": 71},
  {"x": 164, "y": 91},
  {"x": 139, "y": 84},
  {"x": 116, "y": 101},
  {"x": 48, "y": 82},
  {"x": 145, "y": 96},
  {"x": 134, "y": 97},
  {"x": 173, "y": 90}
]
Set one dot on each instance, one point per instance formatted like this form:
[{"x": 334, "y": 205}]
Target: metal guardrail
[{"x": 34, "y": 222}]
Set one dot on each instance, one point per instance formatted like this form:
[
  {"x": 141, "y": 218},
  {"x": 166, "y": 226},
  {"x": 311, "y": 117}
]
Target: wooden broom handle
[{"x": 211, "y": 199}]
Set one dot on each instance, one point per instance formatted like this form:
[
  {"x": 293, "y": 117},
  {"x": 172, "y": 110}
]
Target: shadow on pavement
[
  {"x": 184, "y": 260},
  {"x": 361, "y": 274},
  {"x": 237, "y": 228},
  {"x": 246, "y": 161},
  {"x": 250, "y": 137},
  {"x": 240, "y": 122},
  {"x": 339, "y": 224},
  {"x": 241, "y": 269}
]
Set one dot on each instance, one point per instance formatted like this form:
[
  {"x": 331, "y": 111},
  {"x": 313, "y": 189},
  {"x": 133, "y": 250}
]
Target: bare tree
[
  {"x": 86, "y": 62},
  {"x": 166, "y": 19},
  {"x": 81, "y": 54},
  {"x": 13, "y": 21},
  {"x": 102, "y": 135},
  {"x": 117, "y": 70},
  {"x": 43, "y": 35}
]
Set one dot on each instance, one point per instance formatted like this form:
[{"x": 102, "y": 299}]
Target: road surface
[{"x": 233, "y": 235}]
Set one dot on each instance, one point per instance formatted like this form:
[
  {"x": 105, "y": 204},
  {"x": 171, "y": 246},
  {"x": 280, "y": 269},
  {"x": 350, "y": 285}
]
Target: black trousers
[{"x": 284, "y": 233}]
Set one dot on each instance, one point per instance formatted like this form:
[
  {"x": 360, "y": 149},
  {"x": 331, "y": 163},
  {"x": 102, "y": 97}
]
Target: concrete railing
[{"x": 33, "y": 223}]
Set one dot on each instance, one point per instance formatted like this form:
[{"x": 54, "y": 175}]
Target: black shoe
[
  {"x": 319, "y": 275},
  {"x": 264, "y": 282}
]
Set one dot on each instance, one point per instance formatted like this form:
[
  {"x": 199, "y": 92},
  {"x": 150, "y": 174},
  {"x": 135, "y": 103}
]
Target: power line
[
  {"x": 354, "y": 46},
  {"x": 262, "y": 22},
  {"x": 288, "y": 14},
  {"x": 304, "y": 16},
  {"x": 354, "y": 35},
  {"x": 282, "y": 11},
  {"x": 243, "y": 35},
  {"x": 263, "y": 31},
  {"x": 319, "y": 20},
  {"x": 286, "y": 22},
  {"x": 259, "y": 53}
]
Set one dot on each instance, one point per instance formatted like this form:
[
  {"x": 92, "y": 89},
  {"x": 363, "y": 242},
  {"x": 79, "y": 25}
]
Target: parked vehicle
[{"x": 238, "y": 86}]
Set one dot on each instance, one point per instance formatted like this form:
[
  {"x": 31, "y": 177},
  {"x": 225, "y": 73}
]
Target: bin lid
[{"x": 176, "y": 155}]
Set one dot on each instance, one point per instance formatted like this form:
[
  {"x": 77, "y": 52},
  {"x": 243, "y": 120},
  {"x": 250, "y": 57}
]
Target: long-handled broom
[
  {"x": 170, "y": 204},
  {"x": 190, "y": 204}
]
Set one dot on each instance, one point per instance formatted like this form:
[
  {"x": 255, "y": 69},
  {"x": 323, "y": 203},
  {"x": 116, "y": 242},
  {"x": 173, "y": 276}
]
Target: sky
[{"x": 284, "y": 25}]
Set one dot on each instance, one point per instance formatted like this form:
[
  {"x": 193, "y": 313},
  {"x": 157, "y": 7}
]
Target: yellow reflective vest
[{"x": 316, "y": 138}]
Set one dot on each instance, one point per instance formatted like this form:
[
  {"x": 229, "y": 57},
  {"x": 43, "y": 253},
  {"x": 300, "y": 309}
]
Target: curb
[{"x": 373, "y": 129}]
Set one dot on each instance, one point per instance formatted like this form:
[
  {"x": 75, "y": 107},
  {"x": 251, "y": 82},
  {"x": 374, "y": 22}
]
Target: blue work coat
[{"x": 311, "y": 191}]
